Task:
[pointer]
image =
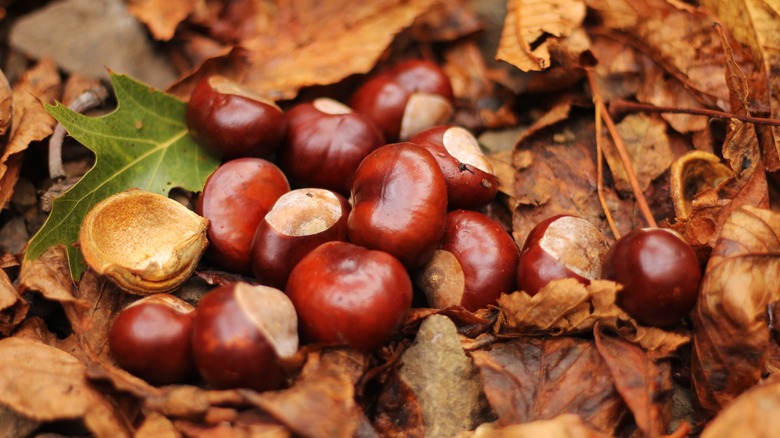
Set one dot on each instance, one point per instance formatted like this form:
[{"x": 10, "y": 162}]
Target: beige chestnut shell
[{"x": 144, "y": 242}]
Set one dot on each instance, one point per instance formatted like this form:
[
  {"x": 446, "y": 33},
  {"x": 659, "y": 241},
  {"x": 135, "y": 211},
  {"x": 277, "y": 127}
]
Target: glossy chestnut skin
[
  {"x": 326, "y": 141},
  {"x": 385, "y": 97},
  {"x": 300, "y": 221},
  {"x": 561, "y": 246},
  {"x": 485, "y": 256},
  {"x": 151, "y": 338},
  {"x": 241, "y": 333},
  {"x": 399, "y": 199},
  {"x": 233, "y": 121},
  {"x": 234, "y": 200},
  {"x": 659, "y": 272},
  {"x": 349, "y": 295},
  {"x": 471, "y": 182}
]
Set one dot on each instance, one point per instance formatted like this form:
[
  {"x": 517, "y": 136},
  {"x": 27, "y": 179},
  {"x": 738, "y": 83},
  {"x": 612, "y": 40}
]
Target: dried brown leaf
[
  {"x": 754, "y": 23},
  {"x": 644, "y": 384},
  {"x": 399, "y": 413},
  {"x": 648, "y": 146},
  {"x": 751, "y": 414},
  {"x": 446, "y": 21},
  {"x": 156, "y": 425},
  {"x": 47, "y": 384},
  {"x": 13, "y": 309},
  {"x": 162, "y": 16},
  {"x": 529, "y": 26},
  {"x": 528, "y": 380},
  {"x": 562, "y": 426},
  {"x": 15, "y": 425},
  {"x": 6, "y": 104},
  {"x": 731, "y": 334},
  {"x": 619, "y": 71},
  {"x": 30, "y": 121}
]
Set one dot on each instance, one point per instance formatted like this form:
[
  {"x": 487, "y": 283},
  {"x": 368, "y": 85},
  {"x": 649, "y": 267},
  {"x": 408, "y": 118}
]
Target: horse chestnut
[{"x": 659, "y": 272}]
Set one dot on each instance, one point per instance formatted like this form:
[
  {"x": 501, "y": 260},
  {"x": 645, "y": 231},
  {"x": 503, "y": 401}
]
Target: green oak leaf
[{"x": 143, "y": 143}]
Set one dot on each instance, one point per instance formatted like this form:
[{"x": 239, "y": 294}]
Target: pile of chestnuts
[{"x": 339, "y": 222}]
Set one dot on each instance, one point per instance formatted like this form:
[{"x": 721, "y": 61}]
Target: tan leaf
[
  {"x": 539, "y": 379},
  {"x": 751, "y": 414},
  {"x": 754, "y": 23},
  {"x": 40, "y": 84},
  {"x": 529, "y": 23},
  {"x": 644, "y": 384},
  {"x": 660, "y": 91},
  {"x": 162, "y": 16},
  {"x": 13, "y": 309},
  {"x": 47, "y": 384},
  {"x": 731, "y": 333},
  {"x": 156, "y": 425},
  {"x": 648, "y": 146},
  {"x": 6, "y": 104}
]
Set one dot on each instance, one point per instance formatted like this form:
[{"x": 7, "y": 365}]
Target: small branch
[
  {"x": 620, "y": 105},
  {"x": 600, "y": 171},
  {"x": 622, "y": 152},
  {"x": 89, "y": 99}
]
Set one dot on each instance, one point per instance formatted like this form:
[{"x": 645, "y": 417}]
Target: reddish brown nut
[
  {"x": 560, "y": 247},
  {"x": 240, "y": 335},
  {"x": 476, "y": 262},
  {"x": 659, "y": 272},
  {"x": 234, "y": 200},
  {"x": 326, "y": 141},
  {"x": 399, "y": 201},
  {"x": 233, "y": 121},
  {"x": 349, "y": 295},
  {"x": 151, "y": 338},
  {"x": 404, "y": 100},
  {"x": 471, "y": 182},
  {"x": 300, "y": 221}
]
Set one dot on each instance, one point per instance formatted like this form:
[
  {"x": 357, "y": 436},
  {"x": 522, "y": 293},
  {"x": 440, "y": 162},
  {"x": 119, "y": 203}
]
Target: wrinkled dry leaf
[
  {"x": 619, "y": 70},
  {"x": 539, "y": 379},
  {"x": 162, "y": 16},
  {"x": 562, "y": 426},
  {"x": 648, "y": 146},
  {"x": 644, "y": 384},
  {"x": 399, "y": 413},
  {"x": 6, "y": 104},
  {"x": 321, "y": 403},
  {"x": 754, "y": 23},
  {"x": 731, "y": 332},
  {"x": 47, "y": 384},
  {"x": 751, "y": 414},
  {"x": 556, "y": 174},
  {"x": 446, "y": 21},
  {"x": 49, "y": 276},
  {"x": 445, "y": 383},
  {"x": 529, "y": 26},
  {"x": 30, "y": 121},
  {"x": 13, "y": 309}
]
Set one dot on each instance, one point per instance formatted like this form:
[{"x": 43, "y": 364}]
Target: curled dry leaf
[
  {"x": 528, "y": 24},
  {"x": 13, "y": 309},
  {"x": 46, "y": 384},
  {"x": 753, "y": 413},
  {"x": 562, "y": 426},
  {"x": 645, "y": 384},
  {"x": 731, "y": 334},
  {"x": 6, "y": 104},
  {"x": 162, "y": 16},
  {"x": 692, "y": 174},
  {"x": 539, "y": 379}
]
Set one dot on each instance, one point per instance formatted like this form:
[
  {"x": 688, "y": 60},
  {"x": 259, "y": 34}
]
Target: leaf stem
[
  {"x": 620, "y": 105},
  {"x": 621, "y": 150},
  {"x": 600, "y": 172}
]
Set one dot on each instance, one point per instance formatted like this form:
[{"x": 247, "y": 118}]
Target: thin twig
[
  {"x": 644, "y": 208},
  {"x": 89, "y": 99},
  {"x": 600, "y": 171},
  {"x": 620, "y": 105}
]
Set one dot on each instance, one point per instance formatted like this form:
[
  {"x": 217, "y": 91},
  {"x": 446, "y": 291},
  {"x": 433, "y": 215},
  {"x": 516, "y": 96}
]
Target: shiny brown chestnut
[
  {"x": 326, "y": 141},
  {"x": 234, "y": 200},
  {"x": 151, "y": 338},
  {"x": 409, "y": 97},
  {"x": 233, "y": 121},
  {"x": 559, "y": 247},
  {"x": 399, "y": 199},
  {"x": 300, "y": 221},
  {"x": 476, "y": 262},
  {"x": 471, "y": 182},
  {"x": 659, "y": 272},
  {"x": 349, "y": 295},
  {"x": 240, "y": 335}
]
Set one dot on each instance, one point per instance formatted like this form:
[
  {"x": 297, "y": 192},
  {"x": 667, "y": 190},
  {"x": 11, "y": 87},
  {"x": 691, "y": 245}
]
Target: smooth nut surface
[{"x": 142, "y": 241}]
